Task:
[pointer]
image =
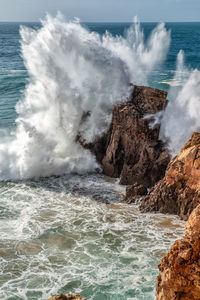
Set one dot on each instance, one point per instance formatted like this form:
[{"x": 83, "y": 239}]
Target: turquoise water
[
  {"x": 59, "y": 235},
  {"x": 71, "y": 233}
]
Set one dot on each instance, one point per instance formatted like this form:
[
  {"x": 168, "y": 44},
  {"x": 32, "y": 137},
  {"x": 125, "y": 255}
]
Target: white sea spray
[
  {"x": 182, "y": 115},
  {"x": 72, "y": 72}
]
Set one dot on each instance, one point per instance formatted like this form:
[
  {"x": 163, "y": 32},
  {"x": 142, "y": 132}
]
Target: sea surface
[{"x": 72, "y": 233}]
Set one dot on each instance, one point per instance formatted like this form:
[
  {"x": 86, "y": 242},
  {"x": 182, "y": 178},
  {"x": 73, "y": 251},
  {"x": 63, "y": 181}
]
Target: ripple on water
[{"x": 59, "y": 235}]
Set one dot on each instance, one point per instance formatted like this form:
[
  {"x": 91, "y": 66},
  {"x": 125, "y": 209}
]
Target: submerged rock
[
  {"x": 67, "y": 297},
  {"x": 135, "y": 191},
  {"x": 180, "y": 268},
  {"x": 179, "y": 191},
  {"x": 131, "y": 149}
]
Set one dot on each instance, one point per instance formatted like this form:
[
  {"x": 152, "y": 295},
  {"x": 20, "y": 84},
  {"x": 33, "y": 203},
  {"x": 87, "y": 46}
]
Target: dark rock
[
  {"x": 131, "y": 149},
  {"x": 179, "y": 191},
  {"x": 98, "y": 147},
  {"x": 135, "y": 191}
]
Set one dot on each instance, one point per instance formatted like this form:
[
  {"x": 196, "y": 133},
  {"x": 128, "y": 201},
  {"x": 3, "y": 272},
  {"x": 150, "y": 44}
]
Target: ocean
[{"x": 63, "y": 227}]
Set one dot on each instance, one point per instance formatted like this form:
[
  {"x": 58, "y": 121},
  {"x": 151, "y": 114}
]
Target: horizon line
[{"x": 101, "y": 22}]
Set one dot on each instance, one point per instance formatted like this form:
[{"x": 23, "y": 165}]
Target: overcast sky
[{"x": 102, "y": 10}]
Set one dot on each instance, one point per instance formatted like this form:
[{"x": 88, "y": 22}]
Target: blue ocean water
[{"x": 58, "y": 234}]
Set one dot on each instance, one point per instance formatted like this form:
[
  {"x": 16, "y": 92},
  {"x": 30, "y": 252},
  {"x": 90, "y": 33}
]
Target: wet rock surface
[
  {"x": 180, "y": 268},
  {"x": 131, "y": 149},
  {"x": 133, "y": 192},
  {"x": 67, "y": 297},
  {"x": 179, "y": 191}
]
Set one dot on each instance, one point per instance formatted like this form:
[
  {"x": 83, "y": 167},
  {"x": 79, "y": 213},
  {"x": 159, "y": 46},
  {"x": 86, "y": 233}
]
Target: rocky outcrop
[
  {"x": 131, "y": 149},
  {"x": 67, "y": 297},
  {"x": 180, "y": 268},
  {"x": 179, "y": 191},
  {"x": 134, "y": 192}
]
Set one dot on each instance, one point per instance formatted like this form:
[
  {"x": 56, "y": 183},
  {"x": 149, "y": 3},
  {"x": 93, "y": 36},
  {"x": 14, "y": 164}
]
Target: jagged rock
[
  {"x": 180, "y": 268},
  {"x": 67, "y": 297},
  {"x": 133, "y": 192},
  {"x": 98, "y": 148},
  {"x": 179, "y": 191},
  {"x": 131, "y": 149},
  {"x": 134, "y": 152}
]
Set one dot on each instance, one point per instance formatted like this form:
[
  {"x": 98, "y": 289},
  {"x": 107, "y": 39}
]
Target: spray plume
[
  {"x": 72, "y": 72},
  {"x": 182, "y": 115}
]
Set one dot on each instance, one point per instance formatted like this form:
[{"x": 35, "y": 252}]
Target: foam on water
[
  {"x": 72, "y": 72},
  {"x": 55, "y": 238}
]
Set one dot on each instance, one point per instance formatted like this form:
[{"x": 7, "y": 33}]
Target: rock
[
  {"x": 135, "y": 191},
  {"x": 131, "y": 149},
  {"x": 98, "y": 148},
  {"x": 180, "y": 268},
  {"x": 179, "y": 191},
  {"x": 67, "y": 297},
  {"x": 134, "y": 152}
]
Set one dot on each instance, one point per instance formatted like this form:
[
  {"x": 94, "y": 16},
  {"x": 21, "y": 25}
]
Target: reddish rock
[
  {"x": 67, "y": 297},
  {"x": 135, "y": 191},
  {"x": 131, "y": 149},
  {"x": 180, "y": 268},
  {"x": 134, "y": 152},
  {"x": 179, "y": 191}
]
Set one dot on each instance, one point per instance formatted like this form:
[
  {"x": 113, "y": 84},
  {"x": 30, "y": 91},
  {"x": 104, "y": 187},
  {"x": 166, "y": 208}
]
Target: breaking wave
[{"x": 72, "y": 72}]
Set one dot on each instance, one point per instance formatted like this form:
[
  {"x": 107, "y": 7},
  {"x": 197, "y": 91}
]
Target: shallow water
[{"x": 72, "y": 234}]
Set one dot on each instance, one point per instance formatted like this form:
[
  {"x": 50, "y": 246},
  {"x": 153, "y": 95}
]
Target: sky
[{"x": 102, "y": 10}]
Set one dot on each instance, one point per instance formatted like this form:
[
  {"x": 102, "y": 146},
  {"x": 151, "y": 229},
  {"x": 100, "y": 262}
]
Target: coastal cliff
[
  {"x": 180, "y": 268},
  {"x": 179, "y": 191},
  {"x": 131, "y": 149}
]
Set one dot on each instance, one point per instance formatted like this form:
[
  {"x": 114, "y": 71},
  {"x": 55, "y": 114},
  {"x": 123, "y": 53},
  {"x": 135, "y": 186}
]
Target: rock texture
[
  {"x": 131, "y": 149},
  {"x": 179, "y": 191},
  {"x": 134, "y": 192},
  {"x": 67, "y": 297},
  {"x": 180, "y": 268}
]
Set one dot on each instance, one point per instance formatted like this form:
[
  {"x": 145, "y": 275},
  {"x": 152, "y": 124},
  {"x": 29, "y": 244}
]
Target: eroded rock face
[
  {"x": 131, "y": 149},
  {"x": 180, "y": 268},
  {"x": 179, "y": 191},
  {"x": 67, "y": 297},
  {"x": 134, "y": 152}
]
